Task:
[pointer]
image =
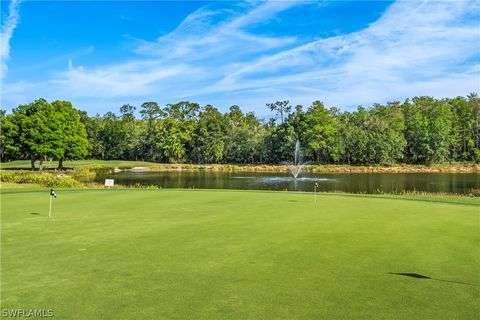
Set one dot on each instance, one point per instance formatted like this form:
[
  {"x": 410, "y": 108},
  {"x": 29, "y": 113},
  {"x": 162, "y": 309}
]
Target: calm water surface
[{"x": 358, "y": 182}]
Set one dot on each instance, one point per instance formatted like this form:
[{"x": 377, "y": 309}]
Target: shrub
[
  {"x": 45, "y": 179},
  {"x": 89, "y": 173}
]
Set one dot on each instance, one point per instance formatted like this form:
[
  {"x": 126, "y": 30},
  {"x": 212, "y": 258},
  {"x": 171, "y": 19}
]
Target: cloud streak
[
  {"x": 190, "y": 56},
  {"x": 213, "y": 56},
  {"x": 6, "y": 34},
  {"x": 411, "y": 48}
]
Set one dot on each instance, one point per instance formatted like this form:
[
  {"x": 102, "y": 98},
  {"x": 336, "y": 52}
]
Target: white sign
[{"x": 108, "y": 182}]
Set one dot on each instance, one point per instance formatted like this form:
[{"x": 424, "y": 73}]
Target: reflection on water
[
  {"x": 357, "y": 182},
  {"x": 308, "y": 179}
]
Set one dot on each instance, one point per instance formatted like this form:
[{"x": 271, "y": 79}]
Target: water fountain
[
  {"x": 298, "y": 164},
  {"x": 293, "y": 182}
]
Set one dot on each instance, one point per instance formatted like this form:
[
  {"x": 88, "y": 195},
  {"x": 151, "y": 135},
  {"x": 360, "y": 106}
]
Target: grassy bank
[
  {"x": 151, "y": 166},
  {"x": 170, "y": 254},
  {"x": 25, "y": 164}
]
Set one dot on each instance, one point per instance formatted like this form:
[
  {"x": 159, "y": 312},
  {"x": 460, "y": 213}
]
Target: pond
[{"x": 460, "y": 183}]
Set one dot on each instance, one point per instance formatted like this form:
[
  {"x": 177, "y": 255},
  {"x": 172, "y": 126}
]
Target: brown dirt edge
[{"x": 472, "y": 168}]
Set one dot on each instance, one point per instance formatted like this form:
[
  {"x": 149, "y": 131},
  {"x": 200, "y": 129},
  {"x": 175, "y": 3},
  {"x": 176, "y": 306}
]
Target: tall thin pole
[
  {"x": 315, "y": 193},
  {"x": 50, "y": 208}
]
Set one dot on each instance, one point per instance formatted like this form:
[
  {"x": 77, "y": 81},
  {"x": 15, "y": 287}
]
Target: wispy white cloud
[
  {"x": 134, "y": 78},
  {"x": 415, "y": 48},
  {"x": 6, "y": 34},
  {"x": 193, "y": 54},
  {"x": 219, "y": 33},
  {"x": 55, "y": 61}
]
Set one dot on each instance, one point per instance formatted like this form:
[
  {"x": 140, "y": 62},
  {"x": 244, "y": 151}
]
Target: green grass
[
  {"x": 178, "y": 254},
  {"x": 18, "y": 164}
]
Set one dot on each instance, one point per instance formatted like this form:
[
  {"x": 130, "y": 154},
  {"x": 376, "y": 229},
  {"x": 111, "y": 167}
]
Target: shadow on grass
[
  {"x": 35, "y": 213},
  {"x": 420, "y": 276}
]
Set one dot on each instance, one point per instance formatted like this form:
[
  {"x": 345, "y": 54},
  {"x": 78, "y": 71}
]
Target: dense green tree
[
  {"x": 183, "y": 110},
  {"x": 236, "y": 133},
  {"x": 151, "y": 112},
  {"x": 113, "y": 136},
  {"x": 421, "y": 130},
  {"x": 243, "y": 138},
  {"x": 428, "y": 129},
  {"x": 282, "y": 109},
  {"x": 93, "y": 127},
  {"x": 462, "y": 127},
  {"x": 73, "y": 133},
  {"x": 336, "y": 149},
  {"x": 280, "y": 142},
  {"x": 474, "y": 102},
  {"x": 40, "y": 135},
  {"x": 209, "y": 144},
  {"x": 127, "y": 113},
  {"x": 185, "y": 116},
  {"x": 172, "y": 140},
  {"x": 253, "y": 149},
  {"x": 369, "y": 136},
  {"x": 297, "y": 120},
  {"x": 386, "y": 133},
  {"x": 9, "y": 133},
  {"x": 132, "y": 148},
  {"x": 318, "y": 131}
]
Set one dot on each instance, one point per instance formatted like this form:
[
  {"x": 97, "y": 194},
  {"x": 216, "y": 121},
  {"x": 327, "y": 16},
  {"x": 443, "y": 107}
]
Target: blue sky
[{"x": 103, "y": 54}]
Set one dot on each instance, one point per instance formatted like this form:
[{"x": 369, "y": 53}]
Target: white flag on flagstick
[{"x": 52, "y": 194}]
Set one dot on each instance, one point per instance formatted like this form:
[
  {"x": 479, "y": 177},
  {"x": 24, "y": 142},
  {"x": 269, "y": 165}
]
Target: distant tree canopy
[{"x": 421, "y": 130}]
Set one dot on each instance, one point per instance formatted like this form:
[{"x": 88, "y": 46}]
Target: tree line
[{"x": 421, "y": 130}]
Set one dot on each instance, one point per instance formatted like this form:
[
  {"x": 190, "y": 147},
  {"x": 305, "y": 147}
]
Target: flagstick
[
  {"x": 315, "y": 192},
  {"x": 50, "y": 208}
]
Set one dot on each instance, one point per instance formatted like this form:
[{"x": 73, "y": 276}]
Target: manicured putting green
[{"x": 179, "y": 254}]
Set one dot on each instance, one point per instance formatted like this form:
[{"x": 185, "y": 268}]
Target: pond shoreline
[
  {"x": 141, "y": 166},
  {"x": 474, "y": 168}
]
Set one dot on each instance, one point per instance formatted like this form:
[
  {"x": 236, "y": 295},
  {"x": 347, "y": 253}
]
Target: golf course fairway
[{"x": 199, "y": 254}]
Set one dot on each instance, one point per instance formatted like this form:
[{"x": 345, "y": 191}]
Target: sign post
[{"x": 109, "y": 182}]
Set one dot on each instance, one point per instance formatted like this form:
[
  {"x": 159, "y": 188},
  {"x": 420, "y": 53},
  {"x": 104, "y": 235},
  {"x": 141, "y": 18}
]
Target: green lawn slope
[
  {"x": 173, "y": 254},
  {"x": 25, "y": 164}
]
